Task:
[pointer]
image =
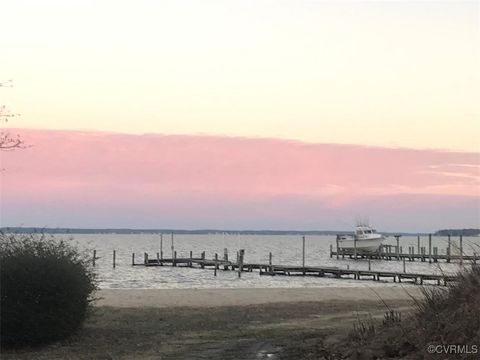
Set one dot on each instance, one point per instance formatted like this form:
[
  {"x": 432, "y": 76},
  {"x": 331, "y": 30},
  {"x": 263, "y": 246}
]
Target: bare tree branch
[{"x": 8, "y": 141}]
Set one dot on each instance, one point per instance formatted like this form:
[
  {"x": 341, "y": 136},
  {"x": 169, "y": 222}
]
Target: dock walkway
[{"x": 271, "y": 269}]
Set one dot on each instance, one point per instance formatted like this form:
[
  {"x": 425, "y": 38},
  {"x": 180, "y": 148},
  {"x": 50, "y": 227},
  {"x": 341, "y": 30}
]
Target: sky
[{"x": 242, "y": 114}]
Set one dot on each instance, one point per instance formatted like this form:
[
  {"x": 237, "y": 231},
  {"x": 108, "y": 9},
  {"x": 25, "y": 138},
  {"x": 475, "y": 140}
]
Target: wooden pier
[
  {"x": 395, "y": 252},
  {"x": 291, "y": 270},
  {"x": 387, "y": 254}
]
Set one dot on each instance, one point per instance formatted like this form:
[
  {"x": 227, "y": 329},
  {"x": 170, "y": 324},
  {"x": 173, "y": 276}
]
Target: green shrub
[{"x": 45, "y": 290}]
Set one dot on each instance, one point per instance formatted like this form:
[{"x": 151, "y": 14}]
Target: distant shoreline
[{"x": 47, "y": 230}]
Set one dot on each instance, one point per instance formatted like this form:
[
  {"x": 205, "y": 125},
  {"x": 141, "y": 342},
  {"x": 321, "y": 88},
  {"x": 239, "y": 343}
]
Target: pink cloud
[{"x": 222, "y": 176}]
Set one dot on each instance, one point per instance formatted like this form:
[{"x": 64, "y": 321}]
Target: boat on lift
[{"x": 365, "y": 239}]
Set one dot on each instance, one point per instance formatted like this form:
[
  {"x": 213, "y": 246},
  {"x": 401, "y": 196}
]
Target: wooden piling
[
  {"x": 430, "y": 248},
  {"x": 355, "y": 246},
  {"x": 173, "y": 246},
  {"x": 133, "y": 259},
  {"x": 397, "y": 237},
  {"x": 114, "y": 256},
  {"x": 161, "y": 246},
  {"x": 418, "y": 244},
  {"x": 225, "y": 254},
  {"x": 331, "y": 251},
  {"x": 158, "y": 258},
  {"x": 240, "y": 262},
  {"x": 338, "y": 238},
  {"x": 216, "y": 265},
  {"x": 461, "y": 249},
  {"x": 174, "y": 260},
  {"x": 94, "y": 257},
  {"x": 404, "y": 265},
  {"x": 303, "y": 254},
  {"x": 145, "y": 258},
  {"x": 449, "y": 249},
  {"x": 369, "y": 264},
  {"x": 270, "y": 267}
]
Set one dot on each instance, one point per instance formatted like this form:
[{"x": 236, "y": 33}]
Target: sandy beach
[{"x": 241, "y": 297}]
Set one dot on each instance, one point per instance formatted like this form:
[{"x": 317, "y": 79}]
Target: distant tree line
[
  {"x": 458, "y": 232},
  {"x": 30, "y": 230}
]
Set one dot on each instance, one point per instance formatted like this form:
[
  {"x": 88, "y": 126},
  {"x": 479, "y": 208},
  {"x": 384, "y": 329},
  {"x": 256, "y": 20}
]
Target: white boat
[{"x": 365, "y": 239}]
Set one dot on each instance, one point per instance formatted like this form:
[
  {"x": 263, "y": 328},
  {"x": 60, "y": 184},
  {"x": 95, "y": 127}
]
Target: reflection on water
[{"x": 286, "y": 249}]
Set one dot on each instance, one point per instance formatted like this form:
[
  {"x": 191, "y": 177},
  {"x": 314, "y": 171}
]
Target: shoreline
[{"x": 164, "y": 298}]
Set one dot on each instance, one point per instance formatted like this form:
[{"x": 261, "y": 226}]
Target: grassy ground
[{"x": 270, "y": 331}]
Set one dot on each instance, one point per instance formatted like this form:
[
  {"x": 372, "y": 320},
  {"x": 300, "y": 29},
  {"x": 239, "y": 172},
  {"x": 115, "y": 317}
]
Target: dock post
[
  {"x": 94, "y": 257},
  {"x": 461, "y": 249},
  {"x": 216, "y": 261},
  {"x": 404, "y": 265},
  {"x": 158, "y": 258},
  {"x": 369, "y": 265},
  {"x": 449, "y": 249},
  {"x": 114, "y": 256},
  {"x": 270, "y": 268},
  {"x": 338, "y": 237},
  {"x": 225, "y": 254},
  {"x": 331, "y": 251},
  {"x": 133, "y": 259},
  {"x": 174, "y": 260},
  {"x": 355, "y": 246},
  {"x": 202, "y": 264},
  {"x": 429, "y": 248},
  {"x": 418, "y": 244},
  {"x": 303, "y": 254},
  {"x": 240, "y": 262},
  {"x": 397, "y": 237},
  {"x": 173, "y": 247},
  {"x": 145, "y": 258},
  {"x": 161, "y": 246}
]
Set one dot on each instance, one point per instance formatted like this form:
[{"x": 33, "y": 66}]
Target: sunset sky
[{"x": 298, "y": 114}]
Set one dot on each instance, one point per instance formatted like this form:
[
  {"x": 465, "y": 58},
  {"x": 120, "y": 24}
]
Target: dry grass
[
  {"x": 444, "y": 316},
  {"x": 290, "y": 331}
]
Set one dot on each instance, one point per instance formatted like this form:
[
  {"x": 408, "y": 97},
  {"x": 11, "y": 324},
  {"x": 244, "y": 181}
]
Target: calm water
[{"x": 285, "y": 249}]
